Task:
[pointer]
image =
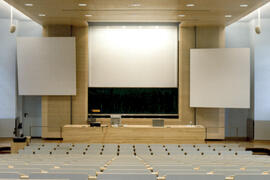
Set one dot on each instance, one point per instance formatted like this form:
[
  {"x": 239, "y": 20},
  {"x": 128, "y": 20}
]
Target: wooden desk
[{"x": 172, "y": 134}]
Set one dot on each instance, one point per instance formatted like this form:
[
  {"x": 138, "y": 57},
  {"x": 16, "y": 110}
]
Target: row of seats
[
  {"x": 142, "y": 166},
  {"x": 136, "y": 149}
]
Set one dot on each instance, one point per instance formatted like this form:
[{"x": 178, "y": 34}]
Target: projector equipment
[
  {"x": 18, "y": 131},
  {"x": 115, "y": 120},
  {"x": 91, "y": 119},
  {"x": 12, "y": 26},
  {"x": 12, "y": 29},
  {"x": 95, "y": 124},
  {"x": 158, "y": 123},
  {"x": 258, "y": 27}
]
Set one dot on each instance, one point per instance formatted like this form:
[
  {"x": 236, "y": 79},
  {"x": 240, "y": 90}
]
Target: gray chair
[
  {"x": 127, "y": 171},
  {"x": 70, "y": 176},
  {"x": 194, "y": 177},
  {"x": 126, "y": 177},
  {"x": 252, "y": 177},
  {"x": 9, "y": 176}
]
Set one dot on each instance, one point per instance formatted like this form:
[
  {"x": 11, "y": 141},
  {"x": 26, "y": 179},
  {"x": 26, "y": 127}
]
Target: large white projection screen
[
  {"x": 133, "y": 56},
  {"x": 220, "y": 78},
  {"x": 46, "y": 66}
]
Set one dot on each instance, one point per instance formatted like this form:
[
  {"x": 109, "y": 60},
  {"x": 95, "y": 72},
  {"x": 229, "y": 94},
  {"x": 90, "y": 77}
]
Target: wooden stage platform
[{"x": 171, "y": 134}]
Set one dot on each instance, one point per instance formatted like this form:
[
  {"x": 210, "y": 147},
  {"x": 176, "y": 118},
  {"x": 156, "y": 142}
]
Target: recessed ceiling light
[
  {"x": 228, "y": 16},
  {"x": 243, "y": 5},
  {"x": 41, "y": 15},
  {"x": 88, "y": 15},
  {"x": 190, "y": 5},
  {"x": 181, "y": 15},
  {"x": 136, "y": 5},
  {"x": 82, "y": 4},
  {"x": 28, "y": 4}
]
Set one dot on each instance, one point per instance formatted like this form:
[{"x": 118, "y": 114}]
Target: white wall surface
[
  {"x": 46, "y": 66},
  {"x": 30, "y": 104},
  {"x": 262, "y": 130},
  {"x": 262, "y": 72},
  {"x": 133, "y": 56},
  {"x": 9, "y": 108},
  {"x": 220, "y": 78},
  {"x": 237, "y": 34},
  {"x": 7, "y": 71},
  {"x": 236, "y": 120},
  {"x": 7, "y": 127}
]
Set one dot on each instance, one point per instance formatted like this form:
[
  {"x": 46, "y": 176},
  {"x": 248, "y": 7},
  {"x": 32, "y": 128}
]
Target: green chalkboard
[{"x": 133, "y": 100}]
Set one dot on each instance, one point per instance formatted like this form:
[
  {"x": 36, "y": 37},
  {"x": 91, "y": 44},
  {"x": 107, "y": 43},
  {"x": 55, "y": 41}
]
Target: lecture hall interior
[{"x": 135, "y": 89}]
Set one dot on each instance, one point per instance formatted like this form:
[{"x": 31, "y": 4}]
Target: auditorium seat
[
  {"x": 70, "y": 176},
  {"x": 9, "y": 175},
  {"x": 90, "y": 172},
  {"x": 119, "y": 160},
  {"x": 194, "y": 177},
  {"x": 127, "y": 177},
  {"x": 252, "y": 177}
]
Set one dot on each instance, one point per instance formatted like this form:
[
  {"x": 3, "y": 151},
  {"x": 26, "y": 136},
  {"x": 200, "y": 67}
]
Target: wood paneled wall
[
  {"x": 58, "y": 111},
  {"x": 211, "y": 118},
  {"x": 186, "y": 42},
  {"x": 80, "y": 101}
]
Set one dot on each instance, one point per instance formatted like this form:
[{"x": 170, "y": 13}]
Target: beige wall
[
  {"x": 213, "y": 119},
  {"x": 199, "y": 37},
  {"x": 80, "y": 101},
  {"x": 187, "y": 41},
  {"x": 56, "y": 110}
]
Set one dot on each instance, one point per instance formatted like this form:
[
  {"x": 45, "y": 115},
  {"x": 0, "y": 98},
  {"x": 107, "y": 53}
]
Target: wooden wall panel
[
  {"x": 57, "y": 31},
  {"x": 56, "y": 110},
  {"x": 140, "y": 121},
  {"x": 187, "y": 41},
  {"x": 134, "y": 134},
  {"x": 211, "y": 118},
  {"x": 80, "y": 101}
]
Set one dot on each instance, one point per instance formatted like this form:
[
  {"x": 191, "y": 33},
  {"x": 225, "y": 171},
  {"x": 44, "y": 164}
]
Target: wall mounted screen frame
[
  {"x": 127, "y": 66},
  {"x": 138, "y": 88},
  {"x": 220, "y": 78},
  {"x": 46, "y": 66},
  {"x": 133, "y": 101}
]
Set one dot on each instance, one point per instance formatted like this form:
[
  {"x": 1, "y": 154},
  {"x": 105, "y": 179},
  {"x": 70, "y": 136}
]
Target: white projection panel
[
  {"x": 133, "y": 56},
  {"x": 46, "y": 66},
  {"x": 220, "y": 78}
]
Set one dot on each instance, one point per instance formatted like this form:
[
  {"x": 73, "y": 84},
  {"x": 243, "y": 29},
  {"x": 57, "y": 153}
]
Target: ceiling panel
[{"x": 205, "y": 12}]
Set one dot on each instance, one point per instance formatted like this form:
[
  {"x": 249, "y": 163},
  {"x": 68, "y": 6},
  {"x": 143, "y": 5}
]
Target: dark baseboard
[
  {"x": 60, "y": 139},
  {"x": 214, "y": 139},
  {"x": 259, "y": 151},
  {"x": 236, "y": 139}
]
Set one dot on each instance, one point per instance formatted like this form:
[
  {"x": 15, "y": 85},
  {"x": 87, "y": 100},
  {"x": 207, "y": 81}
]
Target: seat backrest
[
  {"x": 91, "y": 172},
  {"x": 70, "y": 176},
  {"x": 252, "y": 177},
  {"x": 127, "y": 171},
  {"x": 126, "y": 176},
  {"x": 9, "y": 176},
  {"x": 194, "y": 177}
]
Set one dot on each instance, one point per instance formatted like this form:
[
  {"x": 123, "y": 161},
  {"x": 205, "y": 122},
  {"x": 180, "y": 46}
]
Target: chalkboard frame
[{"x": 154, "y": 101}]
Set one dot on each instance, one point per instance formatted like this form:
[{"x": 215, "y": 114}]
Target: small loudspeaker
[
  {"x": 115, "y": 120},
  {"x": 258, "y": 30},
  {"x": 158, "y": 123},
  {"x": 12, "y": 29}
]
